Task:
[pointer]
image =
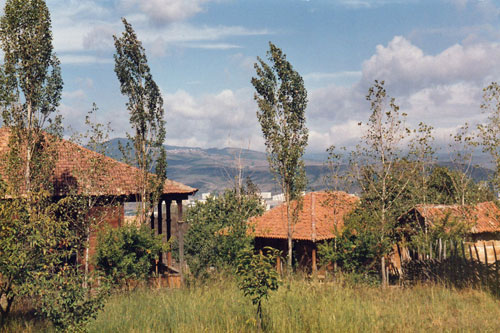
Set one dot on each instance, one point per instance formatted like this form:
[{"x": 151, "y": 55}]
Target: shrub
[
  {"x": 66, "y": 304},
  {"x": 218, "y": 230},
  {"x": 127, "y": 253},
  {"x": 258, "y": 276}
]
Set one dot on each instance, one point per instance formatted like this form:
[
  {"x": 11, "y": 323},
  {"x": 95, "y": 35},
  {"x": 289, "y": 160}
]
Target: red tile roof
[
  {"x": 320, "y": 213},
  {"x": 484, "y": 216},
  {"x": 74, "y": 169}
]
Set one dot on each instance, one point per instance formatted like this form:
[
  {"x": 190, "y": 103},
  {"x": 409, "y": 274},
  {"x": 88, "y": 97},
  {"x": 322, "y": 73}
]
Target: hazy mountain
[{"x": 215, "y": 169}]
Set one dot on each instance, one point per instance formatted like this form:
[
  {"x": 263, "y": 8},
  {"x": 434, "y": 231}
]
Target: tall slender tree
[
  {"x": 382, "y": 169},
  {"x": 489, "y": 131},
  {"x": 282, "y": 100},
  {"x": 145, "y": 106},
  {"x": 32, "y": 76}
]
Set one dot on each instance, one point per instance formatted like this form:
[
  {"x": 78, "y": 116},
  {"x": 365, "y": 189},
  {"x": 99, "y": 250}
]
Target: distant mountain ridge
[{"x": 214, "y": 169}]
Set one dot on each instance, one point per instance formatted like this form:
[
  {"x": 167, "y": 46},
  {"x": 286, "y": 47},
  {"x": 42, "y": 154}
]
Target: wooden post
[
  {"x": 487, "y": 271},
  {"x": 169, "y": 230},
  {"x": 440, "y": 250},
  {"x": 180, "y": 221},
  {"x": 477, "y": 252},
  {"x": 153, "y": 220},
  {"x": 159, "y": 224},
  {"x": 485, "y": 254},
  {"x": 160, "y": 217},
  {"x": 496, "y": 267},
  {"x": 314, "y": 267},
  {"x": 278, "y": 264}
]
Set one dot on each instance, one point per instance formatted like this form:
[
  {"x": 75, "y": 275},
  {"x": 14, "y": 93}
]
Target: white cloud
[
  {"x": 213, "y": 119},
  {"x": 370, "y": 3},
  {"x": 76, "y": 94},
  {"x": 405, "y": 67},
  {"x": 167, "y": 11},
  {"x": 77, "y": 59},
  {"x": 212, "y": 46}
]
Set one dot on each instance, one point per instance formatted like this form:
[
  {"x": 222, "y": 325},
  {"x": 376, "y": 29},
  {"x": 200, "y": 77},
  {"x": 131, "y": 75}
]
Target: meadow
[{"x": 298, "y": 306}]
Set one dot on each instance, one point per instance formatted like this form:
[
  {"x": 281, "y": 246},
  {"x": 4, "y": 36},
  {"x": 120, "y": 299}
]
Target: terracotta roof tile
[
  {"x": 321, "y": 212},
  {"x": 109, "y": 177},
  {"x": 484, "y": 216}
]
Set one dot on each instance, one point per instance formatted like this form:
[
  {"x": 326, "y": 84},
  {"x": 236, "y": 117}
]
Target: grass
[{"x": 298, "y": 306}]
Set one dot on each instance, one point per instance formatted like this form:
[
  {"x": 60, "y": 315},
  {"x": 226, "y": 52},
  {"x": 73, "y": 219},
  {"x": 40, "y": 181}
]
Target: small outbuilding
[
  {"x": 482, "y": 220},
  {"x": 322, "y": 214}
]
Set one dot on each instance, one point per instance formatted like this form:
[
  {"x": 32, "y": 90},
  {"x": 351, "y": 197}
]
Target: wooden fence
[{"x": 457, "y": 264}]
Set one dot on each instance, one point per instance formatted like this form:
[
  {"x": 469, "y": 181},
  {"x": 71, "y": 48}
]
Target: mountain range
[{"x": 214, "y": 169}]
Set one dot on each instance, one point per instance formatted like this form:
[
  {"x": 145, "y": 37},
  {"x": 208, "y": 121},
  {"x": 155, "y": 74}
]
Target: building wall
[{"x": 105, "y": 215}]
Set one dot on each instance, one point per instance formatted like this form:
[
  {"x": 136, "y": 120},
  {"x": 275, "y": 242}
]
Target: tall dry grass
[
  {"x": 298, "y": 306},
  {"x": 302, "y": 306}
]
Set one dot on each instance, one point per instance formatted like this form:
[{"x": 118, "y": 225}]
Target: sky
[{"x": 435, "y": 56}]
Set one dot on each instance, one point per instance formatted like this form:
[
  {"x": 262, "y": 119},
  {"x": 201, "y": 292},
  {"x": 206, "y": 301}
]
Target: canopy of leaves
[
  {"x": 218, "y": 230},
  {"x": 282, "y": 100},
  {"x": 127, "y": 253}
]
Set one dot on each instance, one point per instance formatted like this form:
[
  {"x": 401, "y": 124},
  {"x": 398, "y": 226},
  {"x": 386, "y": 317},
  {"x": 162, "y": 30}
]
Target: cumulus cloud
[
  {"x": 226, "y": 118},
  {"x": 406, "y": 68},
  {"x": 444, "y": 90},
  {"x": 167, "y": 11}
]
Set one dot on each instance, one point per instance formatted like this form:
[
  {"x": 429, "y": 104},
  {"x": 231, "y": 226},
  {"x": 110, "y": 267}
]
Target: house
[
  {"x": 482, "y": 221},
  {"x": 321, "y": 215},
  {"x": 112, "y": 183}
]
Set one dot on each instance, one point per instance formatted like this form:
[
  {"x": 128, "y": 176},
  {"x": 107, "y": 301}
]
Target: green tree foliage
[
  {"x": 145, "y": 106},
  {"x": 38, "y": 238},
  {"x": 32, "y": 76},
  {"x": 489, "y": 132},
  {"x": 282, "y": 101},
  {"x": 218, "y": 230},
  {"x": 70, "y": 307},
  {"x": 383, "y": 171},
  {"x": 258, "y": 276},
  {"x": 442, "y": 189},
  {"x": 127, "y": 253}
]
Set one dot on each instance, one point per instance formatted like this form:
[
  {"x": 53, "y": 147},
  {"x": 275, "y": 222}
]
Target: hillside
[{"x": 214, "y": 169}]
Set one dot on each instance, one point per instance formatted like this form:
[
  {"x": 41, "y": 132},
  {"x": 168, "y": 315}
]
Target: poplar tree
[
  {"x": 282, "y": 101},
  {"x": 37, "y": 231},
  {"x": 383, "y": 171},
  {"x": 32, "y": 82},
  {"x": 145, "y": 106}
]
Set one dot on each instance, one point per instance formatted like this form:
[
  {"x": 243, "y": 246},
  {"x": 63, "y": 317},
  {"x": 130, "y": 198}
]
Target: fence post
[
  {"x": 496, "y": 267},
  {"x": 440, "y": 250},
  {"x": 479, "y": 265},
  {"x": 486, "y": 264}
]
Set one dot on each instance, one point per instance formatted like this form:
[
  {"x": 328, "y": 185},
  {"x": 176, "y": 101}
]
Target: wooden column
[
  {"x": 160, "y": 224},
  {"x": 160, "y": 217},
  {"x": 168, "y": 203},
  {"x": 314, "y": 267},
  {"x": 180, "y": 229},
  {"x": 152, "y": 220},
  {"x": 169, "y": 231}
]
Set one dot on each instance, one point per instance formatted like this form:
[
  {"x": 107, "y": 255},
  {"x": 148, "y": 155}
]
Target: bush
[
  {"x": 66, "y": 304},
  {"x": 127, "y": 253},
  {"x": 218, "y": 230}
]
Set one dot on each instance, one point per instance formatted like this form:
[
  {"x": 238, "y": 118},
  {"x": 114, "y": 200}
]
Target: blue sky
[{"x": 435, "y": 56}]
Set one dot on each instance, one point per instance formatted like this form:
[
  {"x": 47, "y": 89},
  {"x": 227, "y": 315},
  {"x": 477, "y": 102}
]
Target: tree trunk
[
  {"x": 288, "y": 217},
  {"x": 29, "y": 147},
  {"x": 87, "y": 249},
  {"x": 382, "y": 268}
]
